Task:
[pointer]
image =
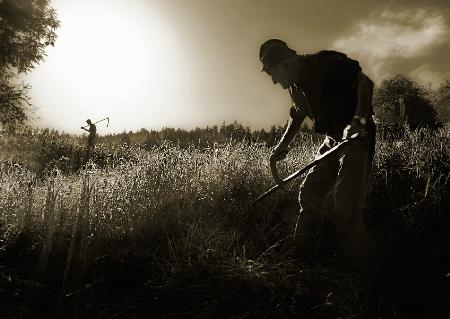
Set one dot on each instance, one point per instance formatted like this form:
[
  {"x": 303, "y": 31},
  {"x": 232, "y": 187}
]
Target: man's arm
[
  {"x": 281, "y": 149},
  {"x": 364, "y": 87}
]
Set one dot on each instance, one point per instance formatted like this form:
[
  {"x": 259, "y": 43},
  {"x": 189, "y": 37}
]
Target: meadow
[{"x": 170, "y": 232}]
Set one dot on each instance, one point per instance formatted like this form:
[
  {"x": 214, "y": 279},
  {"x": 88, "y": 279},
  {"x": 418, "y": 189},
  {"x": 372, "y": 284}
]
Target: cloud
[
  {"x": 426, "y": 75},
  {"x": 388, "y": 35}
]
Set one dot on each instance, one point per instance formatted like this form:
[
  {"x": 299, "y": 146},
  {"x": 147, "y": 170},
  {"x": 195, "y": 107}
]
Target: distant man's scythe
[{"x": 106, "y": 118}]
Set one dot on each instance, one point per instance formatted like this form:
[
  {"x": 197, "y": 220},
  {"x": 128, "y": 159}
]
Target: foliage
[
  {"x": 401, "y": 100},
  {"x": 201, "y": 137},
  {"x": 14, "y": 105},
  {"x": 441, "y": 100},
  {"x": 27, "y": 27}
]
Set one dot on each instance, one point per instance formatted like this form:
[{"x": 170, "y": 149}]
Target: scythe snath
[{"x": 299, "y": 172}]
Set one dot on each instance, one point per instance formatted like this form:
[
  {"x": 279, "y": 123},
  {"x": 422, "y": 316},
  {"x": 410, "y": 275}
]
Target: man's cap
[
  {"x": 88, "y": 121},
  {"x": 274, "y": 51}
]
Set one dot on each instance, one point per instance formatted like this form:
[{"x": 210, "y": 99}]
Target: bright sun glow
[{"x": 111, "y": 56}]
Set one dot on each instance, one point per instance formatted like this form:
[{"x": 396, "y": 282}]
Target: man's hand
[
  {"x": 356, "y": 128},
  {"x": 278, "y": 154}
]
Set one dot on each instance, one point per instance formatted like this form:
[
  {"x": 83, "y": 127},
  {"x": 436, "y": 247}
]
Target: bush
[{"x": 400, "y": 100}]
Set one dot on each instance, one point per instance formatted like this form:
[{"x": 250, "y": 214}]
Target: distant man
[
  {"x": 330, "y": 89},
  {"x": 92, "y": 133}
]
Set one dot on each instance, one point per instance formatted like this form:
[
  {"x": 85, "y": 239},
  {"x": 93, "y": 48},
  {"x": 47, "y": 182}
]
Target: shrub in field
[
  {"x": 400, "y": 100},
  {"x": 59, "y": 153}
]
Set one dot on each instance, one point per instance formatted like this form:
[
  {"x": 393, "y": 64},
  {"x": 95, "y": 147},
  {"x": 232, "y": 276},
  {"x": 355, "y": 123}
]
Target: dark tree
[
  {"x": 14, "y": 105},
  {"x": 27, "y": 27},
  {"x": 401, "y": 100},
  {"x": 441, "y": 100}
]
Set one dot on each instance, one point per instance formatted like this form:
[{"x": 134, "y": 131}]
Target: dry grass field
[{"x": 170, "y": 232}]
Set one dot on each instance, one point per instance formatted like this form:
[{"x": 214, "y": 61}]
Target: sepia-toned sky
[{"x": 188, "y": 63}]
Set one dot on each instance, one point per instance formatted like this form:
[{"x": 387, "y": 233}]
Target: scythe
[{"x": 299, "y": 172}]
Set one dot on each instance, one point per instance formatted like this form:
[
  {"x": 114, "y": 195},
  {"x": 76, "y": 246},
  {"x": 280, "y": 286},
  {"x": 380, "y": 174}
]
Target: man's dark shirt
[{"x": 328, "y": 80}]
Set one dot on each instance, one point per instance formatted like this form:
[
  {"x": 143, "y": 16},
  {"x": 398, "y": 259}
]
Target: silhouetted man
[
  {"x": 92, "y": 133},
  {"x": 329, "y": 88}
]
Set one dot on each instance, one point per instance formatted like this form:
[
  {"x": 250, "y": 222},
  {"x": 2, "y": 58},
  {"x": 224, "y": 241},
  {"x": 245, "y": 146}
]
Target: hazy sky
[{"x": 188, "y": 63}]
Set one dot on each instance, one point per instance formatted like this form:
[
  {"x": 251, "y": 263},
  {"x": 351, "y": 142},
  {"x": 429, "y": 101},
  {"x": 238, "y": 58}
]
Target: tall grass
[
  {"x": 43, "y": 152},
  {"x": 410, "y": 183},
  {"x": 172, "y": 230}
]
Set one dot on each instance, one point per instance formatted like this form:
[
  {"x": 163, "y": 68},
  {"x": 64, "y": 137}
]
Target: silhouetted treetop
[
  {"x": 401, "y": 100},
  {"x": 27, "y": 27}
]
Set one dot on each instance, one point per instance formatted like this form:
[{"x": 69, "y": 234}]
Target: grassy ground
[{"x": 171, "y": 233}]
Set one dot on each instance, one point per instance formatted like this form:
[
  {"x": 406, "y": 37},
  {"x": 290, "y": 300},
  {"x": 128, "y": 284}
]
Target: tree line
[{"x": 209, "y": 136}]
